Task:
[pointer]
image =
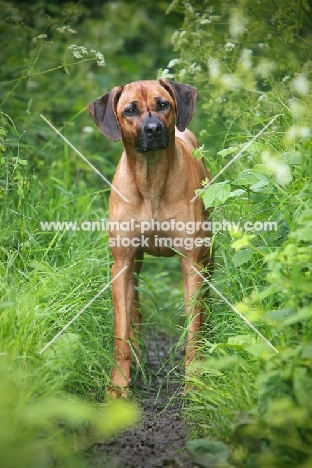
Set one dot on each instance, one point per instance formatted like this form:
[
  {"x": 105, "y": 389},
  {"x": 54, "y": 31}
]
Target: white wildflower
[
  {"x": 203, "y": 133},
  {"x": 174, "y": 62},
  {"x": 194, "y": 67},
  {"x": 278, "y": 168},
  {"x": 88, "y": 129},
  {"x": 237, "y": 25},
  {"x": 297, "y": 108},
  {"x": 214, "y": 68},
  {"x": 189, "y": 7},
  {"x": 246, "y": 59},
  {"x": 214, "y": 18},
  {"x": 286, "y": 78},
  {"x": 265, "y": 67},
  {"x": 297, "y": 132},
  {"x": 65, "y": 28},
  {"x": 81, "y": 49},
  {"x": 283, "y": 174},
  {"x": 182, "y": 74},
  {"x": 32, "y": 84},
  {"x": 165, "y": 74},
  {"x": 41, "y": 36},
  {"x": 100, "y": 59},
  {"x": 300, "y": 84},
  {"x": 205, "y": 21},
  {"x": 229, "y": 46},
  {"x": 230, "y": 81}
]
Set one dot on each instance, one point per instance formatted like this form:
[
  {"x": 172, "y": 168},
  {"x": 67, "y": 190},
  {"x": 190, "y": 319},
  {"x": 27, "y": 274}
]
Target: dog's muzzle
[{"x": 153, "y": 136}]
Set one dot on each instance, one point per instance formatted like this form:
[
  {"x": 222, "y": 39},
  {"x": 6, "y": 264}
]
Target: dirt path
[{"x": 159, "y": 439}]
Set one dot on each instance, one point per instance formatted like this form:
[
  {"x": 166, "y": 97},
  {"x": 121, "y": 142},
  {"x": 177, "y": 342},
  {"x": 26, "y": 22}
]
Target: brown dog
[{"x": 158, "y": 175}]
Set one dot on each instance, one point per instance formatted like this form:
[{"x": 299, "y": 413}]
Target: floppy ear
[
  {"x": 103, "y": 111},
  {"x": 185, "y": 99}
]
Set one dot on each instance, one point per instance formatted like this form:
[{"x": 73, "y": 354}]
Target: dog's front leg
[
  {"x": 193, "y": 305},
  {"x": 123, "y": 297}
]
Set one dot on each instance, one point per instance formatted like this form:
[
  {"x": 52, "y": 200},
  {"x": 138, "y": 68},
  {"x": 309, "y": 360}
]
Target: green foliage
[
  {"x": 55, "y": 60},
  {"x": 245, "y": 62},
  {"x": 250, "y": 62},
  {"x": 48, "y": 430},
  {"x": 216, "y": 194},
  {"x": 208, "y": 454},
  {"x": 11, "y": 170}
]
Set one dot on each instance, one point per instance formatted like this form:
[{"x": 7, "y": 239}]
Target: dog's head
[{"x": 144, "y": 113}]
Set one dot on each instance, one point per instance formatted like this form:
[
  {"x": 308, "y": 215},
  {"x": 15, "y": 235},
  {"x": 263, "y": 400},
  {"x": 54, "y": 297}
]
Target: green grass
[
  {"x": 46, "y": 279},
  {"x": 241, "y": 392}
]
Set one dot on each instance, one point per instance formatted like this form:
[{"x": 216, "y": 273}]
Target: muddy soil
[{"x": 159, "y": 439}]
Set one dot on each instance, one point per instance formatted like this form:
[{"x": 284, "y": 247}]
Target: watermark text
[{"x": 170, "y": 225}]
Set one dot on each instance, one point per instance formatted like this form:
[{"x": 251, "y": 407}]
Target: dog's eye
[
  {"x": 130, "y": 111},
  {"x": 163, "y": 105}
]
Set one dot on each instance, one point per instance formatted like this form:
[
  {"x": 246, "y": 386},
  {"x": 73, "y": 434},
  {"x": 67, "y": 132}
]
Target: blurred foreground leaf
[
  {"x": 208, "y": 453},
  {"x": 38, "y": 432}
]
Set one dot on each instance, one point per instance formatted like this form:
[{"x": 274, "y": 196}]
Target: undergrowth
[{"x": 251, "y": 65}]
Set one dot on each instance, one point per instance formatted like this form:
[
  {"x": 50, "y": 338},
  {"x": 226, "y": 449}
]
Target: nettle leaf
[
  {"x": 262, "y": 186},
  {"x": 302, "y": 384},
  {"x": 260, "y": 350},
  {"x": 242, "y": 340},
  {"x": 261, "y": 170},
  {"x": 22, "y": 162},
  {"x": 303, "y": 314},
  {"x": 216, "y": 194},
  {"x": 207, "y": 453},
  {"x": 305, "y": 216},
  {"x": 307, "y": 352},
  {"x": 242, "y": 256},
  {"x": 280, "y": 314},
  {"x": 244, "y": 241},
  {"x": 284, "y": 411},
  {"x": 303, "y": 234},
  {"x": 227, "y": 151},
  {"x": 235, "y": 346},
  {"x": 237, "y": 193},
  {"x": 199, "y": 152},
  {"x": 246, "y": 178},
  {"x": 292, "y": 157}
]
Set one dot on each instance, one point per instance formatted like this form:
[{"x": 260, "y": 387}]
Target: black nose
[{"x": 153, "y": 128}]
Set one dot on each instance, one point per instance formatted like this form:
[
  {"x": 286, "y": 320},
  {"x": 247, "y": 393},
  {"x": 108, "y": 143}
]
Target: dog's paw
[{"x": 114, "y": 392}]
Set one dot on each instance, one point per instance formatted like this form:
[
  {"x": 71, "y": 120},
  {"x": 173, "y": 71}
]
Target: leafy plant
[
  {"x": 40, "y": 431},
  {"x": 250, "y": 63}
]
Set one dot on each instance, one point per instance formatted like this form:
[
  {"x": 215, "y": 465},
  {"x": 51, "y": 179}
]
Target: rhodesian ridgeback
[{"x": 150, "y": 209}]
